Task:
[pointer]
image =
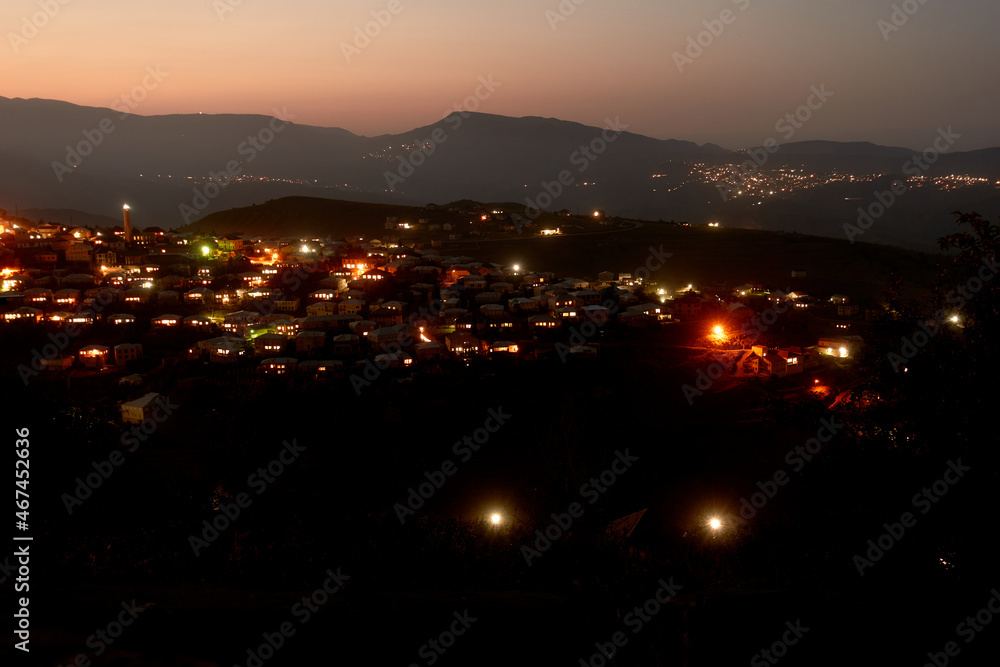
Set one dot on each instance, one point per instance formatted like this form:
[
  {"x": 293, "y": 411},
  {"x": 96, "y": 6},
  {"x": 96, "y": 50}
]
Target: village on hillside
[{"x": 124, "y": 300}]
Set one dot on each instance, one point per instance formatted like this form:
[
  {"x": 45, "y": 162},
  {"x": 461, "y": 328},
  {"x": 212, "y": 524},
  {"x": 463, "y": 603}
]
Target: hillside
[{"x": 700, "y": 255}]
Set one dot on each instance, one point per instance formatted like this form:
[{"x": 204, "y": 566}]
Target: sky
[{"x": 578, "y": 60}]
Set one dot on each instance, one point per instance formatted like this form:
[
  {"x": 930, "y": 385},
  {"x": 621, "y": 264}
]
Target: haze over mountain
[{"x": 60, "y": 158}]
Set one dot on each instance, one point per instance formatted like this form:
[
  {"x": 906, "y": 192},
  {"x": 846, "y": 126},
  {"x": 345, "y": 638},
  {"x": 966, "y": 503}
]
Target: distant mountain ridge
[{"x": 56, "y": 155}]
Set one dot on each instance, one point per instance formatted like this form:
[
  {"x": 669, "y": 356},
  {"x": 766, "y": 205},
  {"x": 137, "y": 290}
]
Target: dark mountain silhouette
[{"x": 59, "y": 156}]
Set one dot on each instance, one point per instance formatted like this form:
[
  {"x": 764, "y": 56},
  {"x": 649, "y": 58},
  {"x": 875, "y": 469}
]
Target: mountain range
[{"x": 66, "y": 163}]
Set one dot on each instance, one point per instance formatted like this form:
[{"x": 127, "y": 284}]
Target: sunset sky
[{"x": 607, "y": 58}]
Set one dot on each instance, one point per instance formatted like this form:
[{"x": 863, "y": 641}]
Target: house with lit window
[
  {"x": 94, "y": 356},
  {"x": 238, "y": 321},
  {"x": 279, "y": 366},
  {"x": 24, "y": 314},
  {"x": 168, "y": 320},
  {"x": 269, "y": 344},
  {"x": 66, "y": 297},
  {"x": 463, "y": 344},
  {"x": 199, "y": 296},
  {"x": 121, "y": 319}
]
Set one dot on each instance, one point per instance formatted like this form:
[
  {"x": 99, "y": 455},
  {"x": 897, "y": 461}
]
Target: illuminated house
[
  {"x": 269, "y": 344},
  {"x": 569, "y": 314},
  {"x": 168, "y": 320},
  {"x": 139, "y": 410},
  {"x": 794, "y": 361},
  {"x": 95, "y": 356},
  {"x": 197, "y": 321},
  {"x": 252, "y": 279},
  {"x": 228, "y": 297},
  {"x": 393, "y": 360},
  {"x": 767, "y": 361},
  {"x": 841, "y": 348},
  {"x": 323, "y": 295},
  {"x": 463, "y": 344},
  {"x": 555, "y": 302},
  {"x": 120, "y": 319},
  {"x": 38, "y": 296},
  {"x": 136, "y": 296},
  {"x": 24, "y": 314},
  {"x": 279, "y": 366},
  {"x": 505, "y": 347},
  {"x": 127, "y": 352},
  {"x": 362, "y": 327},
  {"x": 322, "y": 369},
  {"x": 199, "y": 296},
  {"x": 238, "y": 321},
  {"x": 286, "y": 327},
  {"x": 66, "y": 297},
  {"x": 544, "y": 321}
]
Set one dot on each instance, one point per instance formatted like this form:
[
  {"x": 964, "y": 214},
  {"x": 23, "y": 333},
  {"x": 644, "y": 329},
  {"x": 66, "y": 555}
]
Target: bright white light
[
  {"x": 715, "y": 523},
  {"x": 954, "y": 318},
  {"x": 126, "y": 207},
  {"x": 495, "y": 519}
]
